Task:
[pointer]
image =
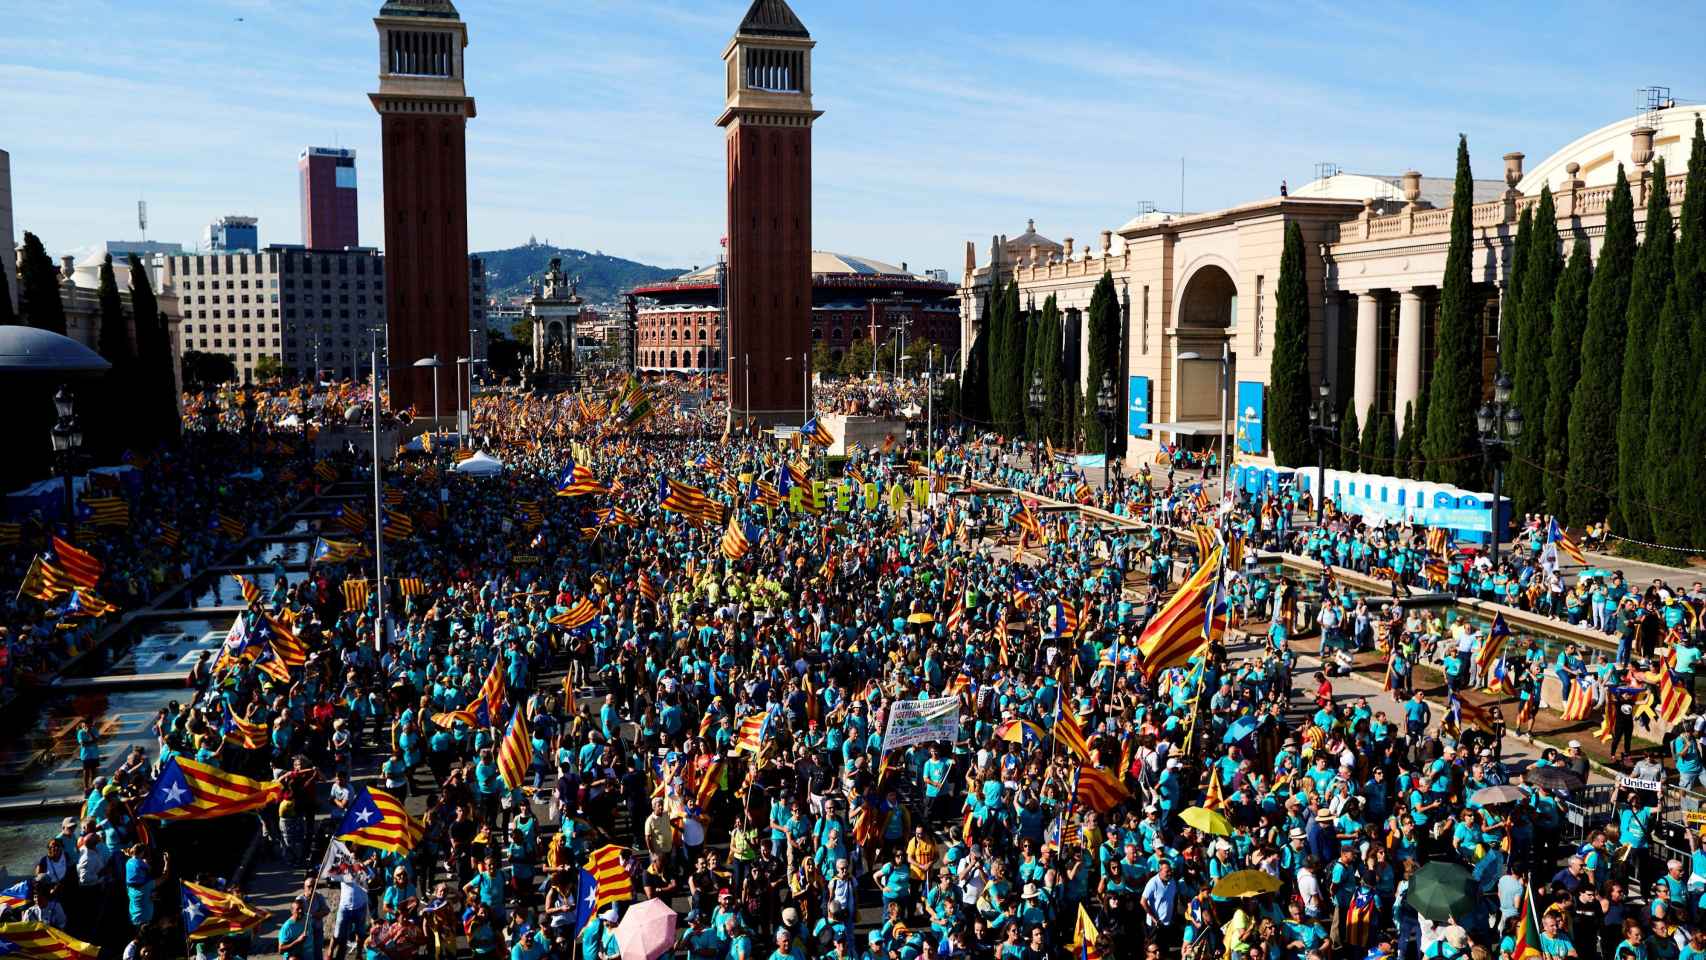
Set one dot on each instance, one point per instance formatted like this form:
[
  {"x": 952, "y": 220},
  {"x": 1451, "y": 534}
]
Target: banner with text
[{"x": 922, "y": 721}]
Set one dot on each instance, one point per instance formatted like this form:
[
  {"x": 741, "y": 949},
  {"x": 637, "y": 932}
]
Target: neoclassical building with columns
[{"x": 1199, "y": 287}]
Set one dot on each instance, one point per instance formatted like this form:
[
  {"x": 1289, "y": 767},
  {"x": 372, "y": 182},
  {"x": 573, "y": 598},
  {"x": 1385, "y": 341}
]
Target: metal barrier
[{"x": 1587, "y": 810}]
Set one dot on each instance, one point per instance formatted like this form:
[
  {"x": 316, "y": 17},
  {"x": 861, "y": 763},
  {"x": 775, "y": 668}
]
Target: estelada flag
[
  {"x": 212, "y": 913},
  {"x": 190, "y": 790},
  {"x": 38, "y": 941},
  {"x": 81, "y": 566},
  {"x": 377, "y": 819},
  {"x": 1098, "y": 789},
  {"x": 579, "y": 614},
  {"x": 1069, "y": 733},
  {"x": 614, "y": 882}
]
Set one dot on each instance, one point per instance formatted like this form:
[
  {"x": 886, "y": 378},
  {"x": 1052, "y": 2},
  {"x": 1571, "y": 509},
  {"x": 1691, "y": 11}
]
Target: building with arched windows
[
  {"x": 1197, "y": 291},
  {"x": 680, "y": 325}
]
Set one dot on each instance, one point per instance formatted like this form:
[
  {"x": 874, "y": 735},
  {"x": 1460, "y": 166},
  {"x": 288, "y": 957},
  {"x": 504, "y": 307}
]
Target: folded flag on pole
[
  {"x": 648, "y": 588},
  {"x": 83, "y": 569},
  {"x": 251, "y": 591},
  {"x": 1674, "y": 699},
  {"x": 1101, "y": 790},
  {"x": 1027, "y": 521},
  {"x": 738, "y": 540},
  {"x": 1069, "y": 733},
  {"x": 1493, "y": 648},
  {"x": 190, "y": 790},
  {"x": 1579, "y": 704},
  {"x": 515, "y": 754},
  {"x": 1566, "y": 543},
  {"x": 1086, "y": 942},
  {"x": 377, "y": 819},
  {"x": 38, "y": 941},
  {"x": 212, "y": 913},
  {"x": 1177, "y": 631}
]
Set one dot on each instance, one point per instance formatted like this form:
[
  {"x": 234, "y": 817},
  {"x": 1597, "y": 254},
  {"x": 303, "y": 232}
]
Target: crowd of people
[{"x": 707, "y": 679}]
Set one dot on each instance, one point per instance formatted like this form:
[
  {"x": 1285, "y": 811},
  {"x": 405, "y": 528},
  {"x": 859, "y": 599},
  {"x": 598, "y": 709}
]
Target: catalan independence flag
[
  {"x": 17, "y": 895},
  {"x": 739, "y": 538},
  {"x": 1069, "y": 733},
  {"x": 108, "y": 511},
  {"x": 251, "y": 592},
  {"x": 377, "y": 819},
  {"x": 190, "y": 790},
  {"x": 690, "y": 502},
  {"x": 38, "y": 941},
  {"x": 1027, "y": 521},
  {"x": 85, "y": 603},
  {"x": 579, "y": 614},
  {"x": 45, "y": 581},
  {"x": 614, "y": 882},
  {"x": 213, "y": 913},
  {"x": 578, "y": 481},
  {"x": 1566, "y": 543},
  {"x": 1176, "y": 631},
  {"x": 241, "y": 732},
  {"x": 515, "y": 754},
  {"x": 1060, "y": 620},
  {"x": 749, "y": 736},
  {"x": 816, "y": 433},
  {"x": 334, "y": 551},
  {"x": 1100, "y": 790}
]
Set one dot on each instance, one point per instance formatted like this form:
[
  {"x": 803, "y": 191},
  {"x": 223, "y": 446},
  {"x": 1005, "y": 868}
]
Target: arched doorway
[
  {"x": 1202, "y": 390},
  {"x": 1210, "y": 300}
]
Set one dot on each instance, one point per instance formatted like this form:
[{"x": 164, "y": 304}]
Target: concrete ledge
[{"x": 124, "y": 681}]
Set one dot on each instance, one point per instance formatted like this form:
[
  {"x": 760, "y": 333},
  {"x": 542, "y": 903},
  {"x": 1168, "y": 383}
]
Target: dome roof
[
  {"x": 1599, "y": 152},
  {"x": 26, "y": 350},
  {"x": 824, "y": 263}
]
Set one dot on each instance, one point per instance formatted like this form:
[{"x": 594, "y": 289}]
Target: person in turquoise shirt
[
  {"x": 598, "y": 940},
  {"x": 293, "y": 933}
]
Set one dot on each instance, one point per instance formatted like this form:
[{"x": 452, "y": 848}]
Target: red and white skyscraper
[{"x": 329, "y": 218}]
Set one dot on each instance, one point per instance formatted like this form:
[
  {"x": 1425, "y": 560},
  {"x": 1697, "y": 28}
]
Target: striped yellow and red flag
[
  {"x": 1176, "y": 631},
  {"x": 45, "y": 581},
  {"x": 579, "y": 614},
  {"x": 1027, "y": 521},
  {"x": 213, "y": 913},
  {"x": 648, "y": 587},
  {"x": 355, "y": 594},
  {"x": 515, "y": 754},
  {"x": 1098, "y": 789},
  {"x": 251, "y": 592},
  {"x": 243, "y": 733},
  {"x": 81, "y": 566},
  {"x": 34, "y": 940},
  {"x": 1086, "y": 941},
  {"x": 377, "y": 819},
  {"x": 615, "y": 884},
  {"x": 1070, "y": 734},
  {"x": 190, "y": 790}
]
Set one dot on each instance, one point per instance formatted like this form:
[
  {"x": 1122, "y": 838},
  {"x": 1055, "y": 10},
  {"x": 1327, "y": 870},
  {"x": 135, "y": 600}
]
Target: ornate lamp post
[
  {"x": 1501, "y": 424},
  {"x": 67, "y": 438},
  {"x": 1107, "y": 408},
  {"x": 1324, "y": 424},
  {"x": 1035, "y": 398},
  {"x": 433, "y": 363}
]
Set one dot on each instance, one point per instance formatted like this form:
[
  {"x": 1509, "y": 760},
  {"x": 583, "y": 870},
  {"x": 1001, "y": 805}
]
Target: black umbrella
[{"x": 1552, "y": 778}]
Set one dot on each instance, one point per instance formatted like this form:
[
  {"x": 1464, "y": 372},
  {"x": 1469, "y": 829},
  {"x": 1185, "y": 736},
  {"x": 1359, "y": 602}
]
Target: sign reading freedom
[{"x": 921, "y": 721}]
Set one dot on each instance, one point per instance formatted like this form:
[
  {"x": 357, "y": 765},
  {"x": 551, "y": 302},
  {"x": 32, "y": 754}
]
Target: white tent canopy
[{"x": 481, "y": 464}]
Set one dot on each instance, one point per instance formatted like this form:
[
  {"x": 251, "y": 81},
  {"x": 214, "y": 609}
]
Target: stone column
[
  {"x": 1368, "y": 354},
  {"x": 1409, "y": 363}
]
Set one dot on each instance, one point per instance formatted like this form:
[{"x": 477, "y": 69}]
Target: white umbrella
[{"x": 647, "y": 930}]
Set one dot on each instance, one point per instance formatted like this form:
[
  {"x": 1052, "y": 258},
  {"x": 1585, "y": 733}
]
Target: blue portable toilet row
[{"x": 1428, "y": 503}]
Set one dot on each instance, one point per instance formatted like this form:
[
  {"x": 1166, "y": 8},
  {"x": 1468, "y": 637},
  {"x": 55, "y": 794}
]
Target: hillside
[{"x": 601, "y": 278}]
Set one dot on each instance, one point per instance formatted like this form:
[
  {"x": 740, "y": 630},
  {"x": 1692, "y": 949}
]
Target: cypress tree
[
  {"x": 1011, "y": 418},
  {"x": 1370, "y": 444},
  {"x": 1409, "y": 447},
  {"x": 1510, "y": 321},
  {"x": 1103, "y": 343},
  {"x": 7, "y": 317},
  {"x": 1385, "y": 449},
  {"x": 1350, "y": 457},
  {"x": 1592, "y": 474},
  {"x": 1455, "y": 394},
  {"x": 1651, "y": 278},
  {"x": 1667, "y": 480},
  {"x": 1690, "y": 285},
  {"x": 1542, "y": 265},
  {"x": 998, "y": 333},
  {"x": 156, "y": 399},
  {"x": 40, "y": 301},
  {"x": 1290, "y": 392},
  {"x": 1049, "y": 358},
  {"x": 1569, "y": 325},
  {"x": 110, "y": 393}
]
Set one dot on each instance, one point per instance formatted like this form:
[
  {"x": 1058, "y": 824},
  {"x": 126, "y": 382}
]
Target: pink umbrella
[{"x": 647, "y": 931}]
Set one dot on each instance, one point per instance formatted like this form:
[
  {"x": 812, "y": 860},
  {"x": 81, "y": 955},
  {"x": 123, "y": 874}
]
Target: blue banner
[
  {"x": 1251, "y": 410},
  {"x": 1137, "y": 409}
]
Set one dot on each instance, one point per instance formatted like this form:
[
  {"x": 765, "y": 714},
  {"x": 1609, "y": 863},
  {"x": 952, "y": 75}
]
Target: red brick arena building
[{"x": 681, "y": 325}]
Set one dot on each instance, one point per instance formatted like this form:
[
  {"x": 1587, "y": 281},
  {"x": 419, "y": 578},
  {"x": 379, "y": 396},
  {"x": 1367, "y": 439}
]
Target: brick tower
[
  {"x": 423, "y": 116},
  {"x": 768, "y": 119}
]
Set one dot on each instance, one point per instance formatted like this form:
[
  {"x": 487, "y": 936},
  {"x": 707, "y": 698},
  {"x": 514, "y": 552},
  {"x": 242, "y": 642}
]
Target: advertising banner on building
[
  {"x": 1137, "y": 408},
  {"x": 1251, "y": 411},
  {"x": 922, "y": 721}
]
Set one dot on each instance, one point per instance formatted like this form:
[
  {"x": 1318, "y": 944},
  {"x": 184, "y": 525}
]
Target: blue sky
[{"x": 944, "y": 121}]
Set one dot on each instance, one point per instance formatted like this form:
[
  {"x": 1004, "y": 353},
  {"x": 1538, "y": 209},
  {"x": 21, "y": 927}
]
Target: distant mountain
[{"x": 600, "y": 278}]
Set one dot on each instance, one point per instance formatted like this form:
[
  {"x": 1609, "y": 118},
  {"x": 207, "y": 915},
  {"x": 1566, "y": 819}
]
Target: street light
[
  {"x": 932, "y": 390},
  {"x": 1036, "y": 397},
  {"x": 1500, "y": 423},
  {"x": 1106, "y": 408},
  {"x": 433, "y": 363},
  {"x": 67, "y": 437},
  {"x": 1324, "y": 424}
]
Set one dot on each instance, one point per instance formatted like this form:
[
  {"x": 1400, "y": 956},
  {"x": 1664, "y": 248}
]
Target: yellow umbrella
[
  {"x": 1208, "y": 821},
  {"x": 1245, "y": 883},
  {"x": 921, "y": 618}
]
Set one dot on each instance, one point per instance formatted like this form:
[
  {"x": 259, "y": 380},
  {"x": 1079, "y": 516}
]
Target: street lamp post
[
  {"x": 1500, "y": 423},
  {"x": 433, "y": 363},
  {"x": 1106, "y": 408},
  {"x": 1036, "y": 398},
  {"x": 67, "y": 437},
  {"x": 932, "y": 388},
  {"x": 1324, "y": 424},
  {"x": 248, "y": 408}
]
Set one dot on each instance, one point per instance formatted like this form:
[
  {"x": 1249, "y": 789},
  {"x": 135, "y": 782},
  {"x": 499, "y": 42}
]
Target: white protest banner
[
  {"x": 921, "y": 721},
  {"x": 1635, "y": 783}
]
